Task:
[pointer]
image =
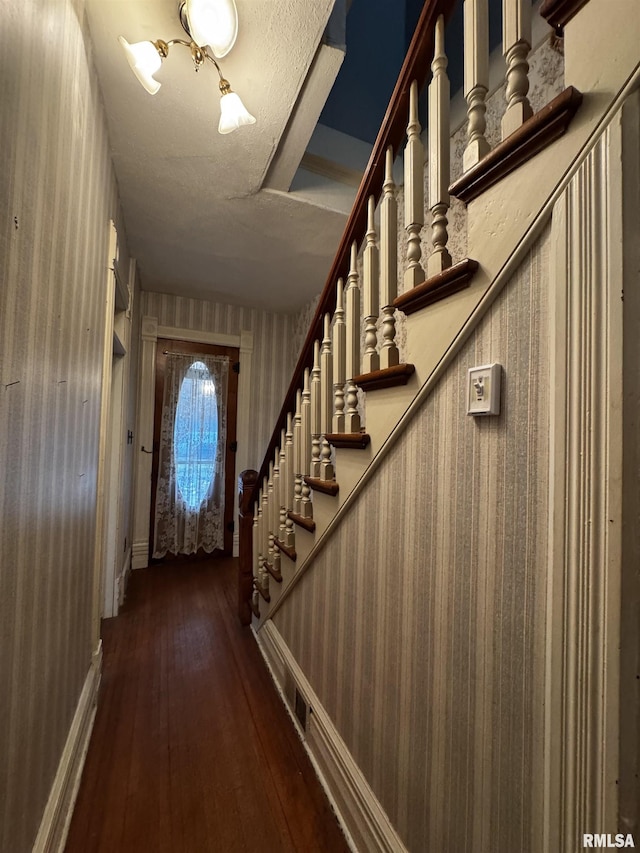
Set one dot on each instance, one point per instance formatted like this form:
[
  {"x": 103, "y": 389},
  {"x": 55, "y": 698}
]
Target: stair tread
[
  {"x": 286, "y": 549},
  {"x": 438, "y": 287},
  {"x": 327, "y": 487},
  {"x": 276, "y": 574},
  {"x": 387, "y": 377},
  {"x": 543, "y": 128},
  {"x": 358, "y": 440},
  {"x": 308, "y": 523}
]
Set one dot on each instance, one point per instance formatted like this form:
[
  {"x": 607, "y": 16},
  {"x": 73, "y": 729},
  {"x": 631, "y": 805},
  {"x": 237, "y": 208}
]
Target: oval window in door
[{"x": 196, "y": 435}]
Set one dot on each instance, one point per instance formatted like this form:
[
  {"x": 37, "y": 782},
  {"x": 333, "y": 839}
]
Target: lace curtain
[{"x": 190, "y": 493}]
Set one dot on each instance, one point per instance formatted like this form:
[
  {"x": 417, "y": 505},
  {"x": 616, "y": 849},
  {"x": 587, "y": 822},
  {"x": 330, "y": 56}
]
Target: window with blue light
[{"x": 196, "y": 435}]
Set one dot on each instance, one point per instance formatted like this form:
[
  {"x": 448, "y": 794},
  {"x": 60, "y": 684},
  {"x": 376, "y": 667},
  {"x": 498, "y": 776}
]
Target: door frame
[
  {"x": 150, "y": 332},
  {"x": 195, "y": 349}
]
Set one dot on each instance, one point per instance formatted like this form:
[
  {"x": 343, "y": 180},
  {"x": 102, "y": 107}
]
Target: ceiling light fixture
[{"x": 209, "y": 24}]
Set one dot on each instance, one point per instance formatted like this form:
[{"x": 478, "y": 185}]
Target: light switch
[{"x": 483, "y": 389}]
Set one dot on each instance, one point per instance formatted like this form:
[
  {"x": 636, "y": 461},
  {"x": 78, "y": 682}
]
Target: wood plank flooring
[{"x": 192, "y": 749}]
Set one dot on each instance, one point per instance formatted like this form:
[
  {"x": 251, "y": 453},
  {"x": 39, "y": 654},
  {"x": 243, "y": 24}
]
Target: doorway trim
[{"x": 150, "y": 333}]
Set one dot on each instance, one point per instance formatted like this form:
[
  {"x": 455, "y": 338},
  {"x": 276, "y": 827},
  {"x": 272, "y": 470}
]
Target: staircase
[{"x": 438, "y": 595}]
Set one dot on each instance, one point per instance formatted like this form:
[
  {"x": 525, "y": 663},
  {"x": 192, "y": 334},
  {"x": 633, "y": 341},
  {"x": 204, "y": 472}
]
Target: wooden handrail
[{"x": 416, "y": 66}]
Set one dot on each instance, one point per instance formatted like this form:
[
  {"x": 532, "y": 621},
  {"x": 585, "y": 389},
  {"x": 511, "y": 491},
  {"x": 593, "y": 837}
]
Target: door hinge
[
  {"x": 236, "y": 367},
  {"x": 231, "y": 526},
  {"x": 233, "y": 447}
]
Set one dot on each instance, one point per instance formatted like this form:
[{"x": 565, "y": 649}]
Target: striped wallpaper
[
  {"x": 420, "y": 623},
  {"x": 58, "y": 193},
  {"x": 272, "y": 360}
]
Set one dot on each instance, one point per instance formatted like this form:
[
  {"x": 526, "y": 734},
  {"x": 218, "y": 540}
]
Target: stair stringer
[{"x": 497, "y": 221}]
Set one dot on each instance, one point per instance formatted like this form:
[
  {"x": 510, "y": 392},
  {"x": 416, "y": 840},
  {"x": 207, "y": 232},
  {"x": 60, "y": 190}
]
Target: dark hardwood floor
[{"x": 192, "y": 749}]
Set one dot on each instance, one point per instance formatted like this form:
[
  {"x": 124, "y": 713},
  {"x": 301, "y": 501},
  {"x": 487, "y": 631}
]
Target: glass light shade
[
  {"x": 213, "y": 23},
  {"x": 233, "y": 113},
  {"x": 144, "y": 60}
]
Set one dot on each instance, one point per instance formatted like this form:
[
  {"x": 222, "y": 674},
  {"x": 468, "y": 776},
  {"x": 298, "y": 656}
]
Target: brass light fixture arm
[
  {"x": 224, "y": 85},
  {"x": 198, "y": 54}
]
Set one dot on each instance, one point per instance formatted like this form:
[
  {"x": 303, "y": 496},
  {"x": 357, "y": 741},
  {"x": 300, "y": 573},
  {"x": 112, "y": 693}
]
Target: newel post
[{"x": 246, "y": 484}]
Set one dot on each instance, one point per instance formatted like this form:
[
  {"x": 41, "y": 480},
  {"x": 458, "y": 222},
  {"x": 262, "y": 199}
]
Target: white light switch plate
[{"x": 483, "y": 389}]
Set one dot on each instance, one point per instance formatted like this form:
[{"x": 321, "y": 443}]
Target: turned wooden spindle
[
  {"x": 283, "y": 480},
  {"x": 290, "y": 538},
  {"x": 297, "y": 488},
  {"x": 516, "y": 41},
  {"x": 439, "y": 148},
  {"x": 316, "y": 428},
  {"x": 306, "y": 507},
  {"x": 326, "y": 401},
  {"x": 476, "y": 79},
  {"x": 389, "y": 355},
  {"x": 413, "y": 192},
  {"x": 352, "y": 366},
  {"x": 371, "y": 284},
  {"x": 339, "y": 347}
]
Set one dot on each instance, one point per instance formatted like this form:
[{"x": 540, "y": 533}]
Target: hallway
[{"x": 192, "y": 749}]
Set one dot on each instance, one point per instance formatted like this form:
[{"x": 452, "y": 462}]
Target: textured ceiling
[{"x": 198, "y": 220}]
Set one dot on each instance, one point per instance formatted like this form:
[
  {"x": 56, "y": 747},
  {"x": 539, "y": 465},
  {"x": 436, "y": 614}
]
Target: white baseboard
[
  {"x": 363, "y": 820},
  {"x": 54, "y": 826}
]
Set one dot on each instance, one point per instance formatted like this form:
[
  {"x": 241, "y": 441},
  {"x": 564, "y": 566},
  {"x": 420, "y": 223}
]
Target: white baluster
[
  {"x": 439, "y": 148},
  {"x": 516, "y": 41},
  {"x": 339, "y": 359},
  {"x": 275, "y": 511},
  {"x": 268, "y": 516},
  {"x": 413, "y": 192},
  {"x": 476, "y": 79},
  {"x": 326, "y": 400},
  {"x": 256, "y": 542},
  {"x": 389, "y": 355},
  {"x": 371, "y": 281},
  {"x": 282, "y": 533},
  {"x": 306, "y": 508},
  {"x": 297, "y": 442},
  {"x": 263, "y": 577},
  {"x": 316, "y": 429},
  {"x": 352, "y": 417},
  {"x": 289, "y": 480},
  {"x": 255, "y": 600},
  {"x": 259, "y": 526}
]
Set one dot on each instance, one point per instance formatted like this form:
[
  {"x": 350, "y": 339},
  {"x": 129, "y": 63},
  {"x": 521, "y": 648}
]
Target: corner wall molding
[
  {"x": 364, "y": 821},
  {"x": 54, "y": 826}
]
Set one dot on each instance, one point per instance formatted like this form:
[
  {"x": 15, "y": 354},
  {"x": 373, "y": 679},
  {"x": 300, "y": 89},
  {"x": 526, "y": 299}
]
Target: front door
[{"x": 194, "y": 443}]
